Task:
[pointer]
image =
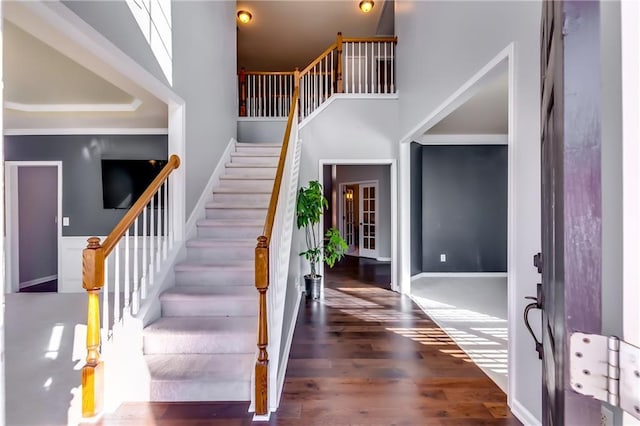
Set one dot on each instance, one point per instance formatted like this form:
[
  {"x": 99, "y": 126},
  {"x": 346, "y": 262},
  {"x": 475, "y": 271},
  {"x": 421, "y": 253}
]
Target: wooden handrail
[
  {"x": 318, "y": 59},
  {"x": 135, "y": 210},
  {"x": 93, "y": 260},
  {"x": 273, "y": 202},
  {"x": 269, "y": 72},
  {"x": 370, "y": 40},
  {"x": 262, "y": 272}
]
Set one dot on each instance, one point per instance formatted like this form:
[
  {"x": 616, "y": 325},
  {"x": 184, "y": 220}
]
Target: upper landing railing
[{"x": 350, "y": 65}]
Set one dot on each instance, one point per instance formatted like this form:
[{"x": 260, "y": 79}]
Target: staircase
[{"x": 203, "y": 346}]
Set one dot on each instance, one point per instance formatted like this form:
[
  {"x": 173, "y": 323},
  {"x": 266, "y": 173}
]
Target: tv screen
[{"x": 124, "y": 181}]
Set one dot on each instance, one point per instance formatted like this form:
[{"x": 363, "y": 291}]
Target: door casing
[{"x": 12, "y": 219}]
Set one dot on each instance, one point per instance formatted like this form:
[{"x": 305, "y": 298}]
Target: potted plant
[{"x": 310, "y": 205}]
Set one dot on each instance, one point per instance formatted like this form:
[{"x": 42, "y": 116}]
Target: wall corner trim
[{"x": 524, "y": 415}]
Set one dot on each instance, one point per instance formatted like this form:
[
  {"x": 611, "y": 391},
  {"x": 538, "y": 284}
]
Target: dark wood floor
[{"x": 362, "y": 356}]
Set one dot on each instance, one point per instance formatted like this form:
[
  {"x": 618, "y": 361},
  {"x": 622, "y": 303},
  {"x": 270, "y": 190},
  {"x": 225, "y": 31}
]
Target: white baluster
[
  {"x": 165, "y": 239},
  {"x": 152, "y": 258},
  {"x": 145, "y": 261},
  {"x": 366, "y": 62},
  {"x": 105, "y": 299},
  {"x": 332, "y": 78},
  {"x": 378, "y": 68},
  {"x": 269, "y": 96},
  {"x": 359, "y": 67},
  {"x": 373, "y": 67},
  {"x": 353, "y": 68},
  {"x": 136, "y": 279},
  {"x": 170, "y": 214},
  {"x": 259, "y": 113},
  {"x": 116, "y": 286},
  {"x": 126, "y": 271},
  {"x": 393, "y": 65},
  {"x": 159, "y": 233},
  {"x": 386, "y": 81}
]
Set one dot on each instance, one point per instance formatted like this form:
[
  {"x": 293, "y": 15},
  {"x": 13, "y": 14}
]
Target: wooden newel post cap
[
  {"x": 93, "y": 265},
  {"x": 262, "y": 241}
]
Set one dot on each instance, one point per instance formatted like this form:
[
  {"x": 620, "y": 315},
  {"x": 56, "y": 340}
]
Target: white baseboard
[
  {"x": 37, "y": 281},
  {"x": 198, "y": 211},
  {"x": 287, "y": 345},
  {"x": 383, "y": 259},
  {"x": 459, "y": 275},
  {"x": 524, "y": 415}
]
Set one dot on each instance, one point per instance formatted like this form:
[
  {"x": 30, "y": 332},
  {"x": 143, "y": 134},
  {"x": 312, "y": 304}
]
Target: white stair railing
[
  {"x": 112, "y": 267},
  {"x": 363, "y": 66}
]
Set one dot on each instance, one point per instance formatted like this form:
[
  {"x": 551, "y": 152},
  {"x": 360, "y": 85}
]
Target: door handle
[{"x": 537, "y": 304}]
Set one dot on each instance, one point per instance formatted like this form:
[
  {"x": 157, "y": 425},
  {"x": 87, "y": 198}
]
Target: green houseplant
[{"x": 309, "y": 207}]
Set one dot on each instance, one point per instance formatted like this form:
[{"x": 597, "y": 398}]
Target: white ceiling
[
  {"x": 485, "y": 113},
  {"x": 47, "y": 89},
  {"x": 286, "y": 34}
]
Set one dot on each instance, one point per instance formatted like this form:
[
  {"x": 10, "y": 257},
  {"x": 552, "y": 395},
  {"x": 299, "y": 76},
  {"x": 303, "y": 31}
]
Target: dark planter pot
[{"x": 312, "y": 286}]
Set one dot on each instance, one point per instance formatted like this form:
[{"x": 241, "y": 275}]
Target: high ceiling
[
  {"x": 47, "y": 89},
  {"x": 286, "y": 34}
]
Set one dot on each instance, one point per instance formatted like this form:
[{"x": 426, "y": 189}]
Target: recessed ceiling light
[
  {"x": 366, "y": 6},
  {"x": 244, "y": 16}
]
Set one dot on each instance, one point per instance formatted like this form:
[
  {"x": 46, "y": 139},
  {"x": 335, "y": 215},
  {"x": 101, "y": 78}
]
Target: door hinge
[{"x": 606, "y": 368}]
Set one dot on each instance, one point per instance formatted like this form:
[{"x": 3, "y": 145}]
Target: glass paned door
[
  {"x": 368, "y": 225},
  {"x": 349, "y": 218}
]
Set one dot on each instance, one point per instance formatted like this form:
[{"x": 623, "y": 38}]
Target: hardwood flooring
[{"x": 362, "y": 356}]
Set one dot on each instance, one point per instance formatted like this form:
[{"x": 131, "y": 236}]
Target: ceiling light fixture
[
  {"x": 244, "y": 16},
  {"x": 366, "y": 6}
]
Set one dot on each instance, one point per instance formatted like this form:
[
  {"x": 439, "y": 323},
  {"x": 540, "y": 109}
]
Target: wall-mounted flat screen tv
[{"x": 124, "y": 181}]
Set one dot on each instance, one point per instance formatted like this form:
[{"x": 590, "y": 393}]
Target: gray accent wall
[
  {"x": 81, "y": 157},
  {"x": 37, "y": 228},
  {"x": 464, "y": 208},
  {"x": 416, "y": 208},
  {"x": 381, "y": 174}
]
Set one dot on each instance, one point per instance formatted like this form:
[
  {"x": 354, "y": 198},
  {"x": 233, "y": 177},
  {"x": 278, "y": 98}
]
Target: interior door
[
  {"x": 368, "y": 220},
  {"x": 571, "y": 198},
  {"x": 349, "y": 217}
]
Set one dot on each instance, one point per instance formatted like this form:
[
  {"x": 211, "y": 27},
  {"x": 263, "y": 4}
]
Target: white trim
[
  {"x": 130, "y": 107},
  {"x": 199, "y": 211},
  {"x": 335, "y": 96},
  {"x": 88, "y": 131},
  {"x": 522, "y": 414},
  {"x": 404, "y": 203},
  {"x": 364, "y": 252},
  {"x": 283, "y": 119},
  {"x": 340, "y": 210},
  {"x": 11, "y": 199},
  {"x": 463, "y": 139},
  {"x": 261, "y": 417},
  {"x": 630, "y": 17},
  {"x": 460, "y": 96},
  {"x": 284, "y": 360},
  {"x": 383, "y": 259},
  {"x": 394, "y": 206},
  {"x": 459, "y": 275},
  {"x": 37, "y": 281}
]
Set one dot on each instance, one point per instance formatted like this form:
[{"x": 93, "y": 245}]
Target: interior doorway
[
  {"x": 357, "y": 217},
  {"x": 33, "y": 225}
]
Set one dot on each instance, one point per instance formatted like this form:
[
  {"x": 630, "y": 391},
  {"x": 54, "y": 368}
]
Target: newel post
[
  {"x": 339, "y": 83},
  {"x": 296, "y": 78},
  {"x": 262, "y": 364},
  {"x": 92, "y": 372},
  {"x": 242, "y": 78}
]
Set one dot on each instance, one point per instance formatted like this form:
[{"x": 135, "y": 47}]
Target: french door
[{"x": 368, "y": 216}]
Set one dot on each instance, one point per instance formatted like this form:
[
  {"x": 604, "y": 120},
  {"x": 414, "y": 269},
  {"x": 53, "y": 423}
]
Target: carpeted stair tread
[
  {"x": 240, "y": 190},
  {"x": 217, "y": 242},
  {"x": 230, "y": 222},
  {"x": 200, "y": 367},
  {"x": 212, "y": 265},
  {"x": 235, "y": 205},
  {"x": 188, "y": 292},
  {"x": 203, "y": 326},
  {"x": 258, "y": 145},
  {"x": 252, "y": 165}
]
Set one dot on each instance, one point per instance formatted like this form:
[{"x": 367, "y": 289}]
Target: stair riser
[
  {"x": 165, "y": 343},
  {"x": 187, "y": 390},
  {"x": 262, "y": 172},
  {"x": 229, "y": 231},
  {"x": 215, "y": 213},
  {"x": 221, "y": 254},
  {"x": 258, "y": 150},
  {"x": 254, "y": 160},
  {"x": 216, "y": 277},
  {"x": 257, "y": 184},
  {"x": 210, "y": 307},
  {"x": 260, "y": 199}
]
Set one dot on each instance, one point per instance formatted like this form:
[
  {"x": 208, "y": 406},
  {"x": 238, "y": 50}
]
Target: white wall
[
  {"x": 204, "y": 72},
  {"x": 267, "y": 130},
  {"x": 440, "y": 46}
]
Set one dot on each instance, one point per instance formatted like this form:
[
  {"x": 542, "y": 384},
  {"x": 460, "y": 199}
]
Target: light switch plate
[
  {"x": 443, "y": 257},
  {"x": 65, "y": 221}
]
